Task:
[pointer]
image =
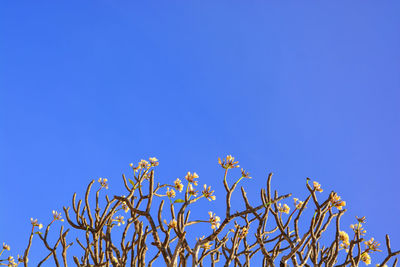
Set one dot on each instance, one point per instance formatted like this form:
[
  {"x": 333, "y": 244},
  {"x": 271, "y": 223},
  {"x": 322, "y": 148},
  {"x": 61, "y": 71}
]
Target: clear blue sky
[{"x": 302, "y": 89}]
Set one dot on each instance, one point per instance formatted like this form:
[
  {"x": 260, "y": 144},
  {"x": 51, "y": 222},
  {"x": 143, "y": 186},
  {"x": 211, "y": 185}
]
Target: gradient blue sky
[{"x": 302, "y": 89}]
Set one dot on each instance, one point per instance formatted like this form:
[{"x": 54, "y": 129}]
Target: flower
[
  {"x": 35, "y": 223},
  {"x": 366, "y": 258},
  {"x": 119, "y": 220},
  {"x": 170, "y": 193},
  {"x": 214, "y": 220},
  {"x": 124, "y": 206},
  {"x": 191, "y": 190},
  {"x": 344, "y": 237},
  {"x": 243, "y": 233},
  {"x": 317, "y": 187},
  {"x": 143, "y": 164},
  {"x": 178, "y": 185},
  {"x": 20, "y": 259},
  {"x": 173, "y": 224},
  {"x": 358, "y": 229},
  {"x": 208, "y": 193},
  {"x": 153, "y": 161},
  {"x": 298, "y": 205},
  {"x": 285, "y": 208},
  {"x": 190, "y": 177},
  {"x": 57, "y": 216},
  {"x": 245, "y": 174},
  {"x": 372, "y": 245},
  {"x": 206, "y": 246},
  {"x": 228, "y": 163},
  {"x": 11, "y": 261},
  {"x": 336, "y": 201},
  {"x": 103, "y": 182},
  {"x": 6, "y": 247},
  {"x": 361, "y": 220}
]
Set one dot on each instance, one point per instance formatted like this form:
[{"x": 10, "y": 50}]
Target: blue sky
[{"x": 301, "y": 89}]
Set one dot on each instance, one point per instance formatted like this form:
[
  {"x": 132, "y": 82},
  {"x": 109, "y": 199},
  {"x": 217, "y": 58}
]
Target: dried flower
[
  {"x": 178, "y": 185},
  {"x": 285, "y": 208},
  {"x": 336, "y": 201},
  {"x": 317, "y": 187},
  {"x": 366, "y": 258},
  {"x": 120, "y": 220},
  {"x": 57, "y": 216},
  {"x": 214, "y": 220},
  {"x": 208, "y": 193},
  {"x": 190, "y": 177},
  {"x": 171, "y": 193},
  {"x": 245, "y": 174},
  {"x": 6, "y": 247},
  {"x": 103, "y": 182},
  {"x": 35, "y": 223},
  {"x": 228, "y": 163}
]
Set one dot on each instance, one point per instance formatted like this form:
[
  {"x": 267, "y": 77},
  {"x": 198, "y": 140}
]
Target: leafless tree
[{"x": 268, "y": 229}]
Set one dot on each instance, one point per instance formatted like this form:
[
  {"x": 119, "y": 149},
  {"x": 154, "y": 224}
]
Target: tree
[{"x": 268, "y": 230}]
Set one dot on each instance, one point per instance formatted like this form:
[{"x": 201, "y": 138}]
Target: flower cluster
[
  {"x": 358, "y": 229},
  {"x": 344, "y": 237},
  {"x": 366, "y": 258},
  {"x": 57, "y": 216},
  {"x": 285, "y": 208},
  {"x": 206, "y": 245},
  {"x": 6, "y": 247},
  {"x": 361, "y": 220},
  {"x": 214, "y": 220},
  {"x": 143, "y": 164},
  {"x": 120, "y": 220},
  {"x": 317, "y": 187},
  {"x": 153, "y": 162},
  {"x": 190, "y": 177},
  {"x": 228, "y": 163},
  {"x": 191, "y": 190},
  {"x": 124, "y": 206},
  {"x": 103, "y": 182},
  {"x": 35, "y": 223},
  {"x": 178, "y": 185},
  {"x": 372, "y": 245},
  {"x": 11, "y": 261},
  {"x": 173, "y": 224},
  {"x": 171, "y": 193},
  {"x": 245, "y": 174},
  {"x": 336, "y": 201},
  {"x": 298, "y": 204},
  {"x": 208, "y": 193},
  {"x": 243, "y": 233}
]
